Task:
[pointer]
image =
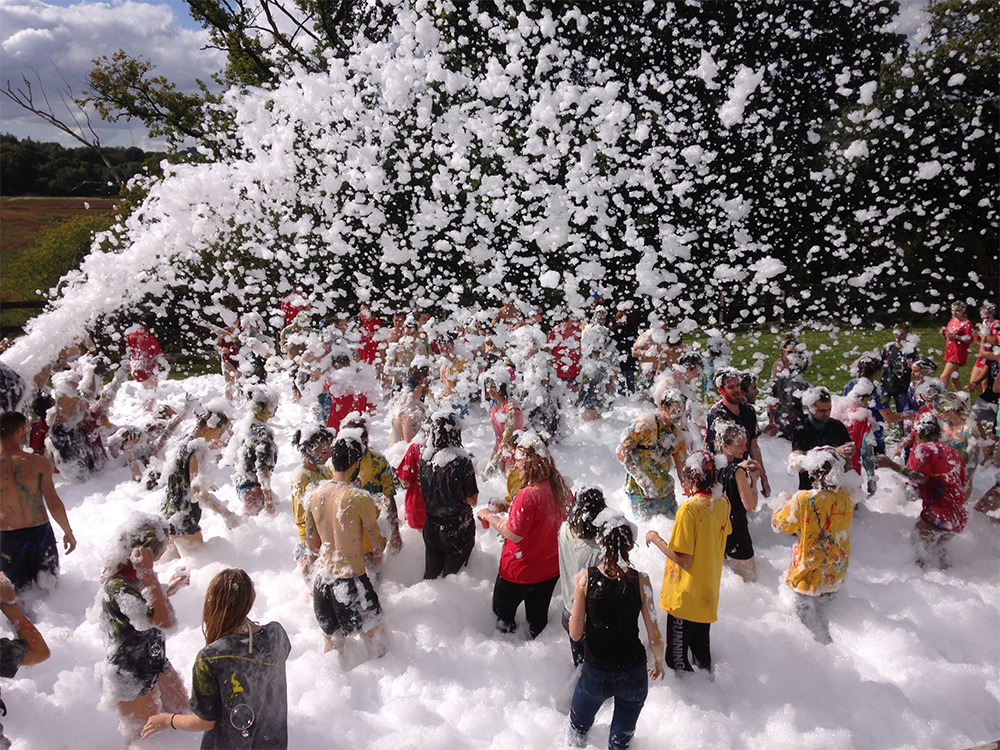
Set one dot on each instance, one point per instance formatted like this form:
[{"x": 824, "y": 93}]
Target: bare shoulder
[{"x": 27, "y": 463}]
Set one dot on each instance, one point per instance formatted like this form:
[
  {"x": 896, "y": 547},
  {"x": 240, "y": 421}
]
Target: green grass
[{"x": 833, "y": 350}]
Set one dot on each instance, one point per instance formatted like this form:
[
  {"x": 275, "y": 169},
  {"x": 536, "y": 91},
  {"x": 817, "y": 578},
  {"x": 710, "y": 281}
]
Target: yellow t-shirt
[
  {"x": 701, "y": 529},
  {"x": 303, "y": 482},
  {"x": 822, "y": 521}
]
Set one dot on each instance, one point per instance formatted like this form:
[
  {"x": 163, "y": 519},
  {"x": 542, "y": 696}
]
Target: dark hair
[
  {"x": 346, "y": 452},
  {"x": 357, "y": 423},
  {"x": 317, "y": 436},
  {"x": 11, "y": 422},
  {"x": 206, "y": 418},
  {"x": 417, "y": 374},
  {"x": 690, "y": 359},
  {"x": 228, "y": 600},
  {"x": 699, "y": 470},
  {"x": 616, "y": 541},
  {"x": 868, "y": 365},
  {"x": 445, "y": 432},
  {"x": 584, "y": 509},
  {"x": 502, "y": 386},
  {"x": 903, "y": 326},
  {"x": 747, "y": 378},
  {"x": 928, "y": 427},
  {"x": 726, "y": 373},
  {"x": 41, "y": 404},
  {"x": 340, "y": 359},
  {"x": 926, "y": 364}
]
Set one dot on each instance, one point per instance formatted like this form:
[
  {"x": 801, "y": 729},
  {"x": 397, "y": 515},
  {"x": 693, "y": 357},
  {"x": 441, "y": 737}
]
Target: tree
[
  {"x": 920, "y": 160},
  {"x": 122, "y": 87},
  {"x": 82, "y": 128}
]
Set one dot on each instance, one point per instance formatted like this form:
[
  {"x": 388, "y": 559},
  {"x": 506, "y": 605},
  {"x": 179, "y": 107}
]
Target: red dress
[
  {"x": 943, "y": 495},
  {"x": 564, "y": 345},
  {"x": 958, "y": 351},
  {"x": 368, "y": 346}
]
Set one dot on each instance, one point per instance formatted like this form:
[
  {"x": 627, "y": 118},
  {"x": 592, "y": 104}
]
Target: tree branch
[{"x": 25, "y": 98}]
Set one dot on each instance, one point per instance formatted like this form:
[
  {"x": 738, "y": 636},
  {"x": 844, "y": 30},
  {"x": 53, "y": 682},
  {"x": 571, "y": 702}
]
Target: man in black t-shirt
[
  {"x": 818, "y": 428},
  {"x": 448, "y": 485},
  {"x": 731, "y": 408}
]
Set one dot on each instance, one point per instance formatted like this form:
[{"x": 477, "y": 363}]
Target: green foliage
[
  {"x": 54, "y": 251},
  {"x": 921, "y": 185},
  {"x": 123, "y": 87},
  {"x": 31, "y": 168}
]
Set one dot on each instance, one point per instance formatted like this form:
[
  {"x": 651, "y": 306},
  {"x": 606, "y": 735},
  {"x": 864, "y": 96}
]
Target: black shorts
[
  {"x": 136, "y": 664},
  {"x": 186, "y": 521},
  {"x": 27, "y": 553},
  {"x": 346, "y": 605},
  {"x": 739, "y": 545}
]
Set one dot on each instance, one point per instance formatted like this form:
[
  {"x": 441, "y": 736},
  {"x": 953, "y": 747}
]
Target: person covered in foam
[{"x": 820, "y": 518}]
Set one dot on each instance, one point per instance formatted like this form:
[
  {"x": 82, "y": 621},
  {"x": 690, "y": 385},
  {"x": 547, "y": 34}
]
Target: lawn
[
  {"x": 833, "y": 349},
  {"x": 24, "y": 217}
]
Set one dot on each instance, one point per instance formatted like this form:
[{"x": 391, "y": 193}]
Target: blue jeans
[{"x": 627, "y": 686}]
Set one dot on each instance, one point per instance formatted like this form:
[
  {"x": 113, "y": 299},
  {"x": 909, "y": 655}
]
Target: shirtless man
[
  {"x": 27, "y": 545},
  {"x": 338, "y": 518}
]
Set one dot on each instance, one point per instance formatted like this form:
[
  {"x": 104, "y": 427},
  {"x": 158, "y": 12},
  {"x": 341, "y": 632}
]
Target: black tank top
[
  {"x": 612, "y": 625},
  {"x": 737, "y": 512}
]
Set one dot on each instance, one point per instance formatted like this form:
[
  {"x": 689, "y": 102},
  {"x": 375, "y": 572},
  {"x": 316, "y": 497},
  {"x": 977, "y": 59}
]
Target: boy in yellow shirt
[
  {"x": 693, "y": 571},
  {"x": 821, "y": 519}
]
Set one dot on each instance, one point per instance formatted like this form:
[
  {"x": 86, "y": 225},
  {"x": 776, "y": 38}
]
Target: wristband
[{"x": 172, "y": 717}]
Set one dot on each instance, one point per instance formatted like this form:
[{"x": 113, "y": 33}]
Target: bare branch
[{"x": 25, "y": 98}]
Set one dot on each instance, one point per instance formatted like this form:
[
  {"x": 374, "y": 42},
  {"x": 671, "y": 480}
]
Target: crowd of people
[{"x": 420, "y": 380}]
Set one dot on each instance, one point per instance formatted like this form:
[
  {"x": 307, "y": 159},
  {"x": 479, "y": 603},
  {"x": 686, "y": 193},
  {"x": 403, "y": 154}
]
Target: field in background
[
  {"x": 835, "y": 350},
  {"x": 23, "y": 217},
  {"x": 23, "y": 220}
]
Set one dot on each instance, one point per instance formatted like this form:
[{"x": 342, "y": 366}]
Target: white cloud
[{"x": 58, "y": 45}]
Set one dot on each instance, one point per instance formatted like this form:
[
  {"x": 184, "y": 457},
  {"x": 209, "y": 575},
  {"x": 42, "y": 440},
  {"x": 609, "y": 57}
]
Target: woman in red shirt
[
  {"x": 958, "y": 336},
  {"x": 529, "y": 564}
]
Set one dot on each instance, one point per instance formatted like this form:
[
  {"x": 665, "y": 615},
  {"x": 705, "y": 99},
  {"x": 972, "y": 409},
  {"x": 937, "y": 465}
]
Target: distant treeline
[{"x": 31, "y": 168}]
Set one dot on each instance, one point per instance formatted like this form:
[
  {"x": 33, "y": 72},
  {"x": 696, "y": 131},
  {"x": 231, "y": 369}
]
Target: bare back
[
  {"x": 341, "y": 515},
  {"x": 22, "y": 503}
]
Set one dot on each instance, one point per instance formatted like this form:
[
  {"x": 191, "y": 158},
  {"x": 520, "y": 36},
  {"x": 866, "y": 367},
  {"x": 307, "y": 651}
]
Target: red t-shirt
[
  {"x": 409, "y": 471},
  {"x": 535, "y": 516},
  {"x": 958, "y": 351},
  {"x": 564, "y": 345},
  {"x": 368, "y": 346},
  {"x": 143, "y": 350},
  {"x": 291, "y": 306},
  {"x": 341, "y": 406},
  {"x": 943, "y": 495}
]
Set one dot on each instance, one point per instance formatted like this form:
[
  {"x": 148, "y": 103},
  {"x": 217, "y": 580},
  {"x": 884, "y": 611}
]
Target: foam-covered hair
[
  {"x": 699, "y": 470},
  {"x": 726, "y": 373},
  {"x": 812, "y": 396},
  {"x": 928, "y": 427}
]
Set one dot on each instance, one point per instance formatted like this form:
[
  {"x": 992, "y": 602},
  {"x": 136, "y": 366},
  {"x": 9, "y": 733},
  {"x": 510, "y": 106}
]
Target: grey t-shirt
[
  {"x": 575, "y": 554},
  {"x": 244, "y": 693}
]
